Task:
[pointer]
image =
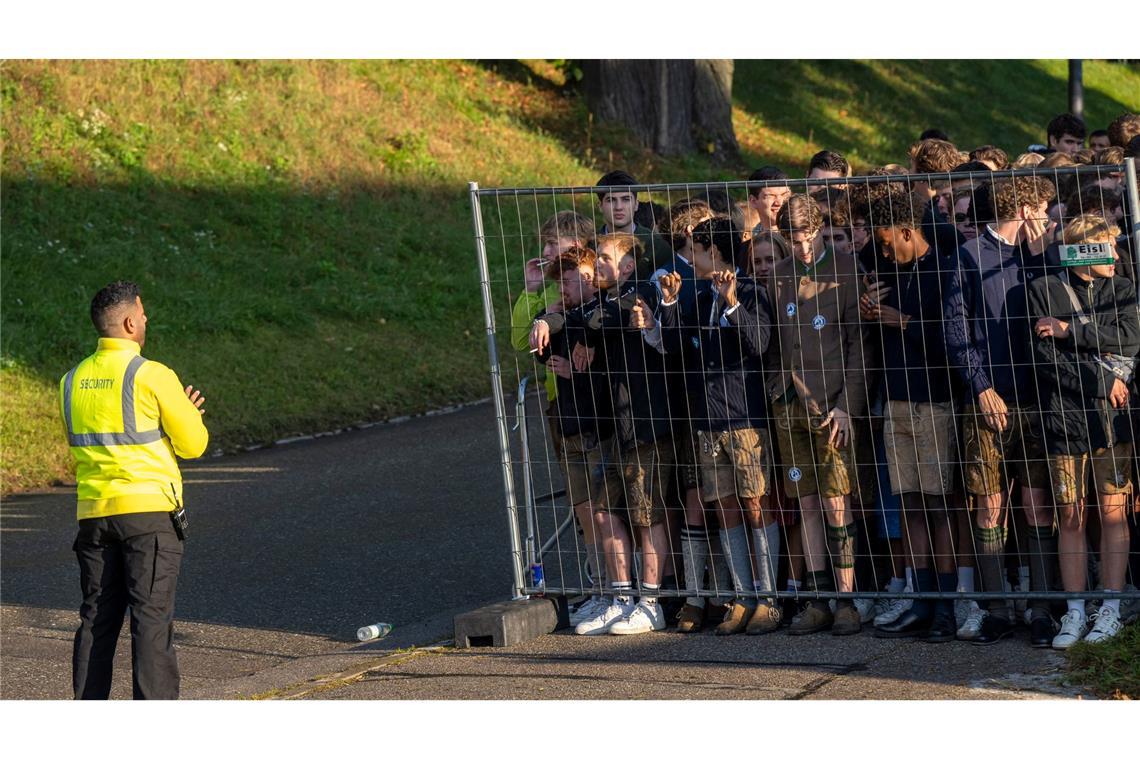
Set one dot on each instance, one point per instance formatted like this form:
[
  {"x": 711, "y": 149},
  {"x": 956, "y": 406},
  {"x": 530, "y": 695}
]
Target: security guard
[{"x": 127, "y": 418}]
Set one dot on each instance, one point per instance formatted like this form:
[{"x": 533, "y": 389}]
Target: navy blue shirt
[
  {"x": 985, "y": 308},
  {"x": 722, "y": 350},
  {"x": 914, "y": 358},
  {"x": 639, "y": 396},
  {"x": 581, "y": 401}
]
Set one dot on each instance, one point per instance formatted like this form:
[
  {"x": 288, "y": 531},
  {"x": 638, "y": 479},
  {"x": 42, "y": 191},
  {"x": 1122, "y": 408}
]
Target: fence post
[
  {"x": 497, "y": 394},
  {"x": 1133, "y": 207}
]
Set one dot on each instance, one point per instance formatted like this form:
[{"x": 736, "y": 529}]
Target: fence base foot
[{"x": 506, "y": 623}]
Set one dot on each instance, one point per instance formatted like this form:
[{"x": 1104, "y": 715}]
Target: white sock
[
  {"x": 1113, "y": 603},
  {"x": 1023, "y": 577},
  {"x": 910, "y": 578},
  {"x": 966, "y": 578},
  {"x": 622, "y": 591},
  {"x": 1077, "y": 606},
  {"x": 896, "y": 585}
]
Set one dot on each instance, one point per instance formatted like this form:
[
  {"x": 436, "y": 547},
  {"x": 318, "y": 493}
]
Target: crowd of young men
[{"x": 836, "y": 362}]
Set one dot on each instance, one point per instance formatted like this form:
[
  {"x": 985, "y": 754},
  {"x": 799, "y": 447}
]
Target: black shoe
[
  {"x": 789, "y": 608},
  {"x": 944, "y": 628},
  {"x": 1041, "y": 632},
  {"x": 908, "y": 624},
  {"x": 994, "y": 629}
]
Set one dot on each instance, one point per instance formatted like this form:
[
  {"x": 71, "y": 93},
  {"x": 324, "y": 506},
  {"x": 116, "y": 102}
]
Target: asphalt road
[{"x": 294, "y": 547}]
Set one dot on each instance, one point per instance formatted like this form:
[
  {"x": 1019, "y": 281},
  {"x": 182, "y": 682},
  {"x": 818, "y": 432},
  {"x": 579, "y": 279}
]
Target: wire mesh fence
[{"x": 883, "y": 391}]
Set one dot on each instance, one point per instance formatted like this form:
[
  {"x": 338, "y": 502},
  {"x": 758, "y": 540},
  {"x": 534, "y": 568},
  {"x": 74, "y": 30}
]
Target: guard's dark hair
[
  {"x": 722, "y": 233},
  {"x": 1098, "y": 133},
  {"x": 1066, "y": 124},
  {"x": 106, "y": 301},
  {"x": 617, "y": 178}
]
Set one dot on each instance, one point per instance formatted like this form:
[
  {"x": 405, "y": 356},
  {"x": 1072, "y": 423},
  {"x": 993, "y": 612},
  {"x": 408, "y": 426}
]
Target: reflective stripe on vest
[{"x": 130, "y": 435}]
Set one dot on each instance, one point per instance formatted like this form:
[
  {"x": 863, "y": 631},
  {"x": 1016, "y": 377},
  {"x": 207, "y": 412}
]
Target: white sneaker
[
  {"x": 1093, "y": 605},
  {"x": 1106, "y": 624},
  {"x": 588, "y": 609},
  {"x": 601, "y": 623},
  {"x": 893, "y": 611},
  {"x": 643, "y": 618},
  {"x": 1074, "y": 626},
  {"x": 962, "y": 608},
  {"x": 972, "y": 626}
]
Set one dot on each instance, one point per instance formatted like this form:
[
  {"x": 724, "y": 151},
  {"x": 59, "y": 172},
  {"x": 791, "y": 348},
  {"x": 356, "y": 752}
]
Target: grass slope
[
  {"x": 1111, "y": 669},
  {"x": 301, "y": 229}
]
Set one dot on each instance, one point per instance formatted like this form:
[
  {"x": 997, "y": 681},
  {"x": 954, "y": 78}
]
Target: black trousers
[{"x": 127, "y": 561}]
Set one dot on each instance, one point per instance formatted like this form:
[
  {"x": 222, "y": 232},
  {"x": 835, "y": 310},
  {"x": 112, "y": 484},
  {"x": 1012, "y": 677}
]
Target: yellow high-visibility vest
[{"x": 126, "y": 419}]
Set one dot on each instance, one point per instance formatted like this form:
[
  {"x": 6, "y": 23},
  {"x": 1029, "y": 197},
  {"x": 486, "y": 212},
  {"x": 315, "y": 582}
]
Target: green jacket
[{"x": 522, "y": 317}]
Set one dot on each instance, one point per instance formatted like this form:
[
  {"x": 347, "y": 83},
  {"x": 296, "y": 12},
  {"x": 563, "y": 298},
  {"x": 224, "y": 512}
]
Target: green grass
[
  {"x": 302, "y": 233},
  {"x": 1111, "y": 669}
]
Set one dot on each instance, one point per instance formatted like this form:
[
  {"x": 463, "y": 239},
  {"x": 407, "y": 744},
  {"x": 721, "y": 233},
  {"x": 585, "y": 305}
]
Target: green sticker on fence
[{"x": 1083, "y": 254}]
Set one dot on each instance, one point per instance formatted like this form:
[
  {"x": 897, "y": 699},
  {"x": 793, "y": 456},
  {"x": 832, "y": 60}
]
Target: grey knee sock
[
  {"x": 991, "y": 563},
  {"x": 1042, "y": 563},
  {"x": 766, "y": 547},
  {"x": 735, "y": 542},
  {"x": 720, "y": 579},
  {"x": 694, "y": 553}
]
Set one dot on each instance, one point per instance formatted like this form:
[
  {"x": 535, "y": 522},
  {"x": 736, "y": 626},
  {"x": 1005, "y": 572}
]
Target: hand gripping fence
[{"x": 888, "y": 514}]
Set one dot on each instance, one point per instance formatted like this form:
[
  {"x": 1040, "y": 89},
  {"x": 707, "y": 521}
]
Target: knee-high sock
[
  {"x": 946, "y": 582},
  {"x": 841, "y": 545},
  {"x": 766, "y": 549},
  {"x": 991, "y": 563},
  {"x": 694, "y": 554},
  {"x": 1042, "y": 563},
  {"x": 720, "y": 578},
  {"x": 735, "y": 543}
]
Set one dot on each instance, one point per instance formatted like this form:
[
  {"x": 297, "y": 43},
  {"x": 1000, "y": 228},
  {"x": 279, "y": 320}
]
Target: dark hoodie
[{"x": 1073, "y": 386}]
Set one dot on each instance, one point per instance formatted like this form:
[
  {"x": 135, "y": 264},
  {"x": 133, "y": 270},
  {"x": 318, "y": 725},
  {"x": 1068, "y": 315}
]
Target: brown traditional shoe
[
  {"x": 735, "y": 621},
  {"x": 690, "y": 618},
  {"x": 765, "y": 619},
  {"x": 846, "y": 621},
  {"x": 812, "y": 619}
]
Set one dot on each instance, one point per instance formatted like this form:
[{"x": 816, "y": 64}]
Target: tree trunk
[{"x": 671, "y": 106}]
